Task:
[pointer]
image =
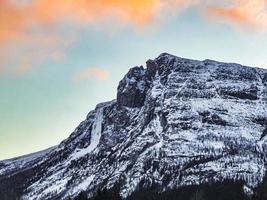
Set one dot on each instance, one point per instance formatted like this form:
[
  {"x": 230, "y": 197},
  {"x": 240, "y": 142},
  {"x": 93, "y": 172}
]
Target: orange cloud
[
  {"x": 15, "y": 18},
  {"x": 89, "y": 73},
  {"x": 21, "y": 69},
  {"x": 243, "y": 12},
  {"x": 31, "y": 30},
  {"x": 30, "y": 51},
  {"x": 10, "y": 20}
]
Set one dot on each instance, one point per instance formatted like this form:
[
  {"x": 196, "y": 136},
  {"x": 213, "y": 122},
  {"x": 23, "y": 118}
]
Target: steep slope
[
  {"x": 175, "y": 123},
  {"x": 10, "y": 166}
]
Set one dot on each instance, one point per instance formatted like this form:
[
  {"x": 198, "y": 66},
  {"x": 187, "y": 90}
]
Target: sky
[{"x": 58, "y": 59}]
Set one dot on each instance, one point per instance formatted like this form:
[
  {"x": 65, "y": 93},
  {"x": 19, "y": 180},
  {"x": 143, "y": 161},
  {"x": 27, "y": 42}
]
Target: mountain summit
[{"x": 176, "y": 124}]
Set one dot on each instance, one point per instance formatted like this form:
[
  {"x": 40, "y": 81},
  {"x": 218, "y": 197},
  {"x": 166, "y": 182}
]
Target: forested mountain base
[{"x": 227, "y": 190}]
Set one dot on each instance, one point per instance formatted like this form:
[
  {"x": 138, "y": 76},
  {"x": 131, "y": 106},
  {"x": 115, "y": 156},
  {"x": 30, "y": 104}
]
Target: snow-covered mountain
[{"x": 177, "y": 122}]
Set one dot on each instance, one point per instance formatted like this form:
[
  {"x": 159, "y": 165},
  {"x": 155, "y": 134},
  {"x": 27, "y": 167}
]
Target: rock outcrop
[{"x": 178, "y": 122}]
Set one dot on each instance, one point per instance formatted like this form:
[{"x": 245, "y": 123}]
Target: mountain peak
[
  {"x": 176, "y": 123},
  {"x": 133, "y": 87}
]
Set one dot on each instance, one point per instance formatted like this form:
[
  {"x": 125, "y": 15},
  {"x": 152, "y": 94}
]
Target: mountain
[{"x": 179, "y": 129}]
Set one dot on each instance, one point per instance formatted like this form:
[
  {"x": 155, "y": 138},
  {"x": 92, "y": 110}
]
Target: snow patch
[
  {"x": 82, "y": 186},
  {"x": 95, "y": 137}
]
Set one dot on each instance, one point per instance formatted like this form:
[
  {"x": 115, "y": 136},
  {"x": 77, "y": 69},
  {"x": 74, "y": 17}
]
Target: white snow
[
  {"x": 81, "y": 186},
  {"x": 23, "y": 161},
  {"x": 95, "y": 137}
]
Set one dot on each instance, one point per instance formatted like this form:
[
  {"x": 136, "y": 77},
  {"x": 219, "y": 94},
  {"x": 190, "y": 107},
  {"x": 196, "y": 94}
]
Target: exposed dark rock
[
  {"x": 151, "y": 69},
  {"x": 244, "y": 93},
  {"x": 132, "y": 88},
  {"x": 211, "y": 118},
  {"x": 264, "y": 133}
]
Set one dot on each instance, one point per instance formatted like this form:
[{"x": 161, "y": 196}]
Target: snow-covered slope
[
  {"x": 13, "y": 165},
  {"x": 176, "y": 122}
]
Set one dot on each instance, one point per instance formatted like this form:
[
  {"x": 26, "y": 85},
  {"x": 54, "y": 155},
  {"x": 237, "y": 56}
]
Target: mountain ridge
[{"x": 178, "y": 122}]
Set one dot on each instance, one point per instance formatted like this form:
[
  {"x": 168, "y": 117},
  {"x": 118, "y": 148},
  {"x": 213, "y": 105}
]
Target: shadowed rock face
[
  {"x": 175, "y": 123},
  {"x": 132, "y": 88}
]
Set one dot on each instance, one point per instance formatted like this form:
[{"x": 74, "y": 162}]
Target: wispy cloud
[
  {"x": 15, "y": 18},
  {"x": 90, "y": 73},
  {"x": 252, "y": 13},
  {"x": 32, "y": 30},
  {"x": 21, "y": 69},
  {"x": 2, "y": 71},
  {"x": 32, "y": 50}
]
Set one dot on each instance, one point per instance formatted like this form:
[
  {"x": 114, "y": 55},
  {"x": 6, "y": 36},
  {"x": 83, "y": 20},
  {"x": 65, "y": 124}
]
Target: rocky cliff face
[{"x": 177, "y": 122}]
